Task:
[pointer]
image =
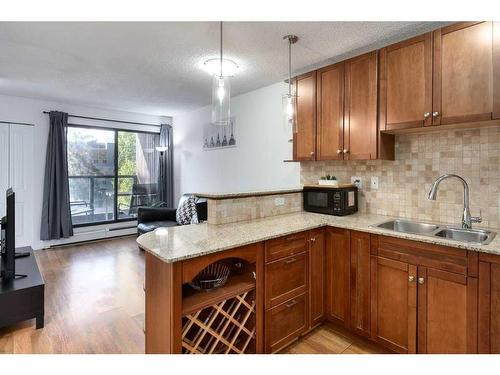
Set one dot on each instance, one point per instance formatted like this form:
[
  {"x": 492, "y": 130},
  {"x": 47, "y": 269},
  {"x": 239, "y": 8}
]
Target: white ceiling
[{"x": 153, "y": 67}]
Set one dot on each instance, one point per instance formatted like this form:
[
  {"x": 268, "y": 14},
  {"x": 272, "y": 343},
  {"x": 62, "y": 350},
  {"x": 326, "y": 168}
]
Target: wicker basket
[{"x": 211, "y": 277}]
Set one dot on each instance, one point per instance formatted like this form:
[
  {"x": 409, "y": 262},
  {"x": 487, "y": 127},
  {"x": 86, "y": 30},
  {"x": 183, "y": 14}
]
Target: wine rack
[{"x": 222, "y": 321}]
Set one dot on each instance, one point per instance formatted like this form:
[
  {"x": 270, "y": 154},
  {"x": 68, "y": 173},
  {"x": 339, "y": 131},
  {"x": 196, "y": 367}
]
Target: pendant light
[
  {"x": 221, "y": 92},
  {"x": 290, "y": 98}
]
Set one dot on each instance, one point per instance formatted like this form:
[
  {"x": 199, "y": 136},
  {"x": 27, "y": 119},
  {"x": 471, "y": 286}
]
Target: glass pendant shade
[
  {"x": 289, "y": 102},
  {"x": 221, "y": 96}
]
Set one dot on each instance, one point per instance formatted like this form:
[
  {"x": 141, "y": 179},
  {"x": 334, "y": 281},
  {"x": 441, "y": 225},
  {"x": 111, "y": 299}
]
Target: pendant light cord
[
  {"x": 221, "y": 49},
  {"x": 289, "y": 66}
]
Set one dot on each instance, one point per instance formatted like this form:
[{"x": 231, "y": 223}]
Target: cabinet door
[
  {"x": 286, "y": 278},
  {"x": 360, "y": 283},
  {"x": 317, "y": 276},
  {"x": 447, "y": 312},
  {"x": 337, "y": 275},
  {"x": 360, "y": 121},
  {"x": 330, "y": 116},
  {"x": 304, "y": 137},
  {"x": 463, "y": 73},
  {"x": 394, "y": 304},
  {"x": 285, "y": 323},
  {"x": 406, "y": 84},
  {"x": 489, "y": 306},
  {"x": 496, "y": 70}
]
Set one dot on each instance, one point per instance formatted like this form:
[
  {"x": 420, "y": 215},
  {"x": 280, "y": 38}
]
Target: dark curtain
[
  {"x": 56, "y": 211},
  {"x": 166, "y": 180}
]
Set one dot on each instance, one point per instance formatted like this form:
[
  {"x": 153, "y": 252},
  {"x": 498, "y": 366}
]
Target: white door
[
  {"x": 16, "y": 143},
  {"x": 20, "y": 179}
]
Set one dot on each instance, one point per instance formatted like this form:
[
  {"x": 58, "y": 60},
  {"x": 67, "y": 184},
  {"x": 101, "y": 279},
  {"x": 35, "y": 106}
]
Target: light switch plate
[
  {"x": 280, "y": 201},
  {"x": 374, "y": 182},
  {"x": 358, "y": 181}
]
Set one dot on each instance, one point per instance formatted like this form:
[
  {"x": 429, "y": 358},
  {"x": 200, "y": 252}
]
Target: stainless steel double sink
[{"x": 480, "y": 236}]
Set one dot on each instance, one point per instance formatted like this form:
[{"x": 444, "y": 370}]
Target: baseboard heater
[
  {"x": 87, "y": 241},
  {"x": 98, "y": 234},
  {"x": 121, "y": 228}
]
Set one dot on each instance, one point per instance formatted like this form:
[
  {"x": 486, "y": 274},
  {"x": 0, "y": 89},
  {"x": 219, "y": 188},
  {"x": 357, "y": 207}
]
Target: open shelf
[{"x": 195, "y": 300}]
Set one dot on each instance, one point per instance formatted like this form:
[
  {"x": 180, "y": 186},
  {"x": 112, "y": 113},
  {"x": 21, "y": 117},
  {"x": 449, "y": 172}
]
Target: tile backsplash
[
  {"x": 421, "y": 158},
  {"x": 223, "y": 211}
]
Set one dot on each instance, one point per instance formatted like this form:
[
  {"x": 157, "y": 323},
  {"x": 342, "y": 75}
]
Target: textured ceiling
[{"x": 153, "y": 67}]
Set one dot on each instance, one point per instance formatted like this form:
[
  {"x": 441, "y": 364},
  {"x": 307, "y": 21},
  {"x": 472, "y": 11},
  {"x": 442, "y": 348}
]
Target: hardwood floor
[
  {"x": 329, "y": 339},
  {"x": 94, "y": 303}
]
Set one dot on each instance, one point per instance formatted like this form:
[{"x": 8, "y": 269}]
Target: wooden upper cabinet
[
  {"x": 463, "y": 73},
  {"x": 360, "y": 119},
  {"x": 447, "y": 312},
  {"x": 496, "y": 70},
  {"x": 406, "y": 84},
  {"x": 330, "y": 112},
  {"x": 394, "y": 304},
  {"x": 304, "y": 138}
]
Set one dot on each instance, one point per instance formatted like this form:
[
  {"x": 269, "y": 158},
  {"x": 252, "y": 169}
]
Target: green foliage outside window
[{"x": 127, "y": 165}]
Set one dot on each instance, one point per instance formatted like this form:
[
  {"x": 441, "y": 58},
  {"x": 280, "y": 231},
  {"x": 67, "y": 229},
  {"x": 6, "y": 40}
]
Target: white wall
[
  {"x": 16, "y": 109},
  {"x": 257, "y": 161}
]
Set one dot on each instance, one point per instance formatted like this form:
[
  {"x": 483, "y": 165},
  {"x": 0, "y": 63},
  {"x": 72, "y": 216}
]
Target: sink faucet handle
[{"x": 477, "y": 219}]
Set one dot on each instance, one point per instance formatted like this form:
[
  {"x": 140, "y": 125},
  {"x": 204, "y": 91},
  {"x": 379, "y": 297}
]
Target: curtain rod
[
  {"x": 107, "y": 119},
  {"x": 16, "y": 123}
]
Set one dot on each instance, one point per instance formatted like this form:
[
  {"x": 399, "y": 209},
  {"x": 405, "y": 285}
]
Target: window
[{"x": 111, "y": 173}]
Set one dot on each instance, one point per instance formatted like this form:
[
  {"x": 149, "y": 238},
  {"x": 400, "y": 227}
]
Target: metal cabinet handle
[
  {"x": 312, "y": 153},
  {"x": 313, "y": 239},
  {"x": 346, "y": 151},
  {"x": 411, "y": 278},
  {"x": 291, "y": 260},
  {"x": 339, "y": 151},
  {"x": 426, "y": 114},
  {"x": 291, "y": 304},
  {"x": 435, "y": 114},
  {"x": 421, "y": 280}
]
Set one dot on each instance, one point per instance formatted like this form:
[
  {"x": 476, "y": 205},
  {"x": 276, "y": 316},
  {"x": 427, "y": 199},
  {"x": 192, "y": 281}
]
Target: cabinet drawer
[
  {"x": 284, "y": 246},
  {"x": 286, "y": 322},
  {"x": 286, "y": 278}
]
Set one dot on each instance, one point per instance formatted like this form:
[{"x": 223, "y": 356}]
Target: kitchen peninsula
[{"x": 294, "y": 271}]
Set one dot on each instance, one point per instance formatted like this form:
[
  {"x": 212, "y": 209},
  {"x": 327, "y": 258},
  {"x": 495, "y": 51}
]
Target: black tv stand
[
  {"x": 22, "y": 254},
  {"x": 22, "y": 298}
]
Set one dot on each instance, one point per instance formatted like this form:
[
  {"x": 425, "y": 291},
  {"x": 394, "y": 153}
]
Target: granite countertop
[
  {"x": 183, "y": 242},
  {"x": 245, "y": 194}
]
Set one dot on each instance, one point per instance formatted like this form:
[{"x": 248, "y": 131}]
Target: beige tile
[{"x": 420, "y": 158}]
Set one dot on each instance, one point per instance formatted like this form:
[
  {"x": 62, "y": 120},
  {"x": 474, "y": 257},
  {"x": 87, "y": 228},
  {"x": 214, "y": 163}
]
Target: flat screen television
[{"x": 8, "y": 269}]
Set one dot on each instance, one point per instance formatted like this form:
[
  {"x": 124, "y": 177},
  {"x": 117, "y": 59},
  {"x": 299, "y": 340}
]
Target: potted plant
[{"x": 328, "y": 180}]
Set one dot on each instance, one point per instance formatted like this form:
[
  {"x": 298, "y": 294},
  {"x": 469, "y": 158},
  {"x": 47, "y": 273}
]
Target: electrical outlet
[
  {"x": 374, "y": 182},
  {"x": 358, "y": 181},
  {"x": 280, "y": 201}
]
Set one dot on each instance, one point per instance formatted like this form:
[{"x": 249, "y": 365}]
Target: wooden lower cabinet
[
  {"x": 408, "y": 296},
  {"x": 489, "y": 304},
  {"x": 394, "y": 304},
  {"x": 338, "y": 263},
  {"x": 286, "y": 278},
  {"x": 447, "y": 312},
  {"x": 317, "y": 277},
  {"x": 360, "y": 319},
  {"x": 287, "y": 287},
  {"x": 286, "y": 322}
]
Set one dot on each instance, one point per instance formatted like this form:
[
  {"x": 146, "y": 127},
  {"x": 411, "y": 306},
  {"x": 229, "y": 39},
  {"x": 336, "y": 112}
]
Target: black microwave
[{"x": 338, "y": 201}]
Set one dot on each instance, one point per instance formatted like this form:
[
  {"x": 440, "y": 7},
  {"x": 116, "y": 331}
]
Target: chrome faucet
[{"x": 467, "y": 219}]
